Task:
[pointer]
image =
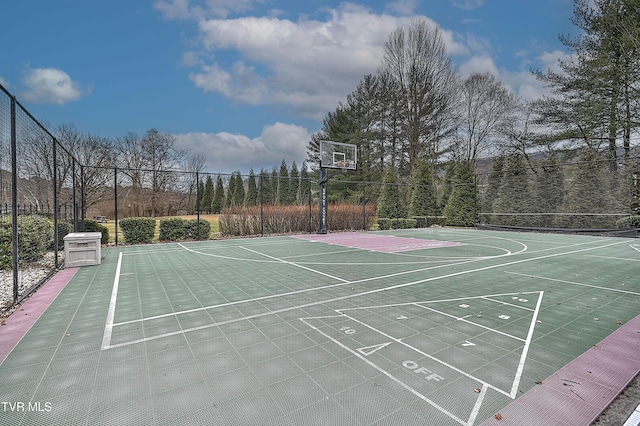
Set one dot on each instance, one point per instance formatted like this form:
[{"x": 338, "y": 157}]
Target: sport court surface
[{"x": 434, "y": 326}]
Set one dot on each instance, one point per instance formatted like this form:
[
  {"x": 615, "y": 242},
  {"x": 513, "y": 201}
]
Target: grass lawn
[{"x": 213, "y": 219}]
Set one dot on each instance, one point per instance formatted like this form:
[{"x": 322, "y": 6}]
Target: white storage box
[{"x": 82, "y": 249}]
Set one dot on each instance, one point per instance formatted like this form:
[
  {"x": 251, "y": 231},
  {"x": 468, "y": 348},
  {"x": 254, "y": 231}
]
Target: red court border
[
  {"x": 578, "y": 392},
  {"x": 21, "y": 321}
]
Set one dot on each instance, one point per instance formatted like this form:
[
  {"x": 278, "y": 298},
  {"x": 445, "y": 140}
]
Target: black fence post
[
  {"x": 82, "y": 199},
  {"x": 115, "y": 202},
  {"x": 14, "y": 199},
  {"x": 198, "y": 205},
  {"x": 56, "y": 218}
]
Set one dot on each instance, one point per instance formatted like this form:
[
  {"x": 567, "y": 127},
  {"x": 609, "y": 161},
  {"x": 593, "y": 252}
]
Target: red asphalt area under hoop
[
  {"x": 20, "y": 322},
  {"x": 380, "y": 243}
]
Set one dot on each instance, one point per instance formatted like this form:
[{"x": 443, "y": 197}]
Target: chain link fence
[{"x": 40, "y": 201}]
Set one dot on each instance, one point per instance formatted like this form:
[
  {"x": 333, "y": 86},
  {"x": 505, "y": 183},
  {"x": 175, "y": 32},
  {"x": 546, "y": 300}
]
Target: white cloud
[
  {"x": 228, "y": 152},
  {"x": 309, "y": 65},
  {"x": 403, "y": 7},
  {"x": 185, "y": 9},
  {"x": 52, "y": 85},
  {"x": 4, "y": 82},
  {"x": 478, "y": 64},
  {"x": 468, "y": 4}
]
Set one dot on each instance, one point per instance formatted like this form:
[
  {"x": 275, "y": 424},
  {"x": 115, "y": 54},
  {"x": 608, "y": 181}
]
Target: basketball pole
[{"x": 324, "y": 203}]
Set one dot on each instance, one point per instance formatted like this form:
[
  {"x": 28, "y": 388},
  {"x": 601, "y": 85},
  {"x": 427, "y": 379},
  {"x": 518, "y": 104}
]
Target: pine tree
[
  {"x": 304, "y": 189},
  {"x": 422, "y": 196},
  {"x": 207, "y": 195},
  {"x": 548, "y": 192},
  {"x": 460, "y": 209},
  {"x": 264, "y": 188},
  {"x": 251, "y": 198},
  {"x": 588, "y": 193},
  {"x": 238, "y": 192},
  {"x": 198, "y": 202},
  {"x": 514, "y": 195},
  {"x": 389, "y": 203},
  {"x": 217, "y": 203},
  {"x": 294, "y": 183},
  {"x": 283, "y": 184},
  {"x": 493, "y": 185},
  {"x": 231, "y": 187}
]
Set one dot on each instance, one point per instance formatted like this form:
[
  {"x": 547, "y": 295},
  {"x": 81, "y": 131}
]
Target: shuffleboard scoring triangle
[{"x": 368, "y": 350}]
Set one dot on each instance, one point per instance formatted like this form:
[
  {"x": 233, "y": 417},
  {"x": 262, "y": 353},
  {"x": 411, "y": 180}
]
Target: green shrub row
[
  {"x": 628, "y": 222},
  {"x": 35, "y": 236},
  {"x": 412, "y": 222},
  {"x": 93, "y": 226},
  {"x": 138, "y": 230},
  {"x": 177, "y": 229}
]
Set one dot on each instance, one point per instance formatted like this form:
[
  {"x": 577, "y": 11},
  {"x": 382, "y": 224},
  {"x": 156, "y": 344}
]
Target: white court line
[
  {"x": 386, "y": 373},
  {"x": 463, "y": 319},
  {"x": 476, "y": 407},
  {"x": 294, "y": 292},
  {"x": 507, "y": 303},
  {"x": 373, "y": 291},
  {"x": 574, "y": 283},
  {"x": 108, "y": 328},
  {"x": 456, "y": 299},
  {"x": 525, "y": 350},
  {"x": 635, "y": 247},
  {"x": 613, "y": 258},
  {"x": 295, "y": 264}
]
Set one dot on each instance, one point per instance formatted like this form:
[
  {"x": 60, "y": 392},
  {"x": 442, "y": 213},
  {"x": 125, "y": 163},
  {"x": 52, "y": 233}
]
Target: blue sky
[{"x": 245, "y": 82}]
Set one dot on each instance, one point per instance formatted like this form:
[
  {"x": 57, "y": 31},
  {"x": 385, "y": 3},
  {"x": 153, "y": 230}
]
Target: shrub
[
  {"x": 138, "y": 229},
  {"x": 191, "y": 229},
  {"x": 628, "y": 222},
  {"x": 172, "y": 229},
  {"x": 293, "y": 219},
  {"x": 64, "y": 228},
  {"x": 93, "y": 226},
  {"x": 421, "y": 221},
  {"x": 35, "y": 236},
  {"x": 392, "y": 223},
  {"x": 176, "y": 229}
]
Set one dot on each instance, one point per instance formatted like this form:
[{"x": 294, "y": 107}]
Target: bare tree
[
  {"x": 162, "y": 156},
  {"x": 486, "y": 108},
  {"x": 133, "y": 165},
  {"x": 417, "y": 61}
]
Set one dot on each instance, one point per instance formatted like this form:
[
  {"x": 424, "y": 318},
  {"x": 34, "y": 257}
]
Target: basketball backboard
[{"x": 337, "y": 155}]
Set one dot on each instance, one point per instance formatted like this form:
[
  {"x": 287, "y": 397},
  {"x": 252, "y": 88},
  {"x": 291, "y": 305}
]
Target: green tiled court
[{"x": 295, "y": 331}]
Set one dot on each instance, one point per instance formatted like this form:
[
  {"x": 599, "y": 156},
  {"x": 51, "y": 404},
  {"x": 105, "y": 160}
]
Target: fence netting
[{"x": 40, "y": 196}]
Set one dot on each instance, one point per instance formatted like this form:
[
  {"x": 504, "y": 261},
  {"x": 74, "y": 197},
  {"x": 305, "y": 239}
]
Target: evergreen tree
[
  {"x": 294, "y": 184},
  {"x": 231, "y": 187},
  {"x": 207, "y": 195},
  {"x": 198, "y": 202},
  {"x": 449, "y": 173},
  {"x": 282, "y": 188},
  {"x": 548, "y": 192},
  {"x": 252, "y": 191},
  {"x": 264, "y": 188},
  {"x": 217, "y": 203},
  {"x": 389, "y": 203},
  {"x": 422, "y": 196},
  {"x": 460, "y": 209},
  {"x": 304, "y": 189},
  {"x": 273, "y": 186},
  {"x": 238, "y": 191},
  {"x": 514, "y": 195},
  {"x": 493, "y": 185},
  {"x": 588, "y": 193}
]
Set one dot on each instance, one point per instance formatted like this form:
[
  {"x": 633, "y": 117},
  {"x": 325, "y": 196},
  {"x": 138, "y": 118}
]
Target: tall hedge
[
  {"x": 35, "y": 236},
  {"x": 138, "y": 230}
]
